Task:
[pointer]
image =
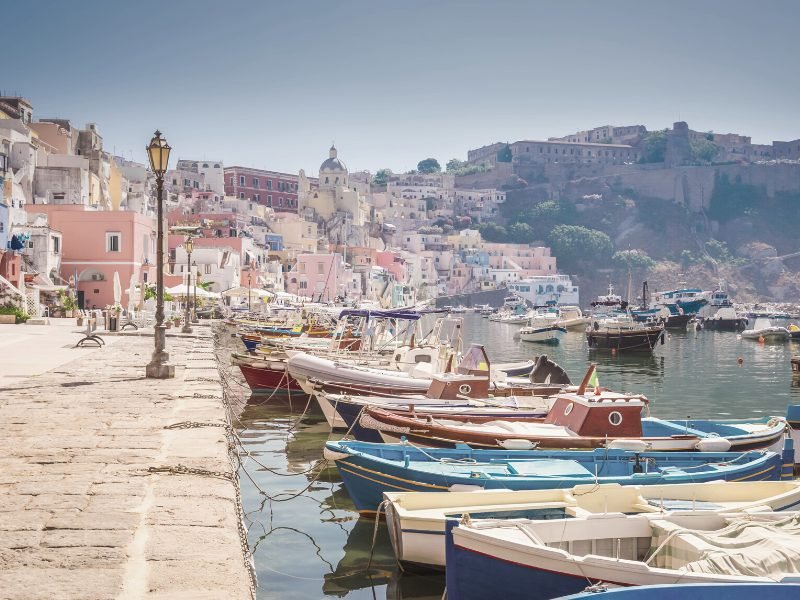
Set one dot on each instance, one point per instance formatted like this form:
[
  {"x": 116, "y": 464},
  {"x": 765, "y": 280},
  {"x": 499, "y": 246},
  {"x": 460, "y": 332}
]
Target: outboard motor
[{"x": 545, "y": 370}]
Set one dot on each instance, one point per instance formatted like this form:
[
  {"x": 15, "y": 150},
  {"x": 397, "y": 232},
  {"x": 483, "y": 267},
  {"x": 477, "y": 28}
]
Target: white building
[{"x": 542, "y": 289}]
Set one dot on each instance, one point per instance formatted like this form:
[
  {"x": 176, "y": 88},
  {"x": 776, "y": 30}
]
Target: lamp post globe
[{"x": 159, "y": 368}]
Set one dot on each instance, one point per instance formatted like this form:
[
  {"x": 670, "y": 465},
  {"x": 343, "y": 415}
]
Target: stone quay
[{"x": 113, "y": 485}]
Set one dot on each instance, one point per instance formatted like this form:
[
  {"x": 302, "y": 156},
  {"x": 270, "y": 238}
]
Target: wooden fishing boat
[
  {"x": 558, "y": 557},
  {"x": 368, "y": 470},
  {"x": 624, "y": 335},
  {"x": 416, "y": 520},
  {"x": 579, "y": 421},
  {"x": 474, "y": 378}
]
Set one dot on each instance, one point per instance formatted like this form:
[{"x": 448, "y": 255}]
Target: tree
[
  {"x": 575, "y": 246},
  {"x": 429, "y": 165},
  {"x": 455, "y": 165},
  {"x": 381, "y": 177},
  {"x": 520, "y": 233},
  {"x": 492, "y": 232},
  {"x": 633, "y": 259},
  {"x": 703, "y": 151},
  {"x": 654, "y": 147},
  {"x": 504, "y": 154}
]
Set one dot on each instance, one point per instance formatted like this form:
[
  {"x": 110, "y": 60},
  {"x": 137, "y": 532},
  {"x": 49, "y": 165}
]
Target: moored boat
[
  {"x": 763, "y": 330},
  {"x": 695, "y": 591},
  {"x": 416, "y": 520},
  {"x": 623, "y": 334},
  {"x": 565, "y": 556},
  {"x": 581, "y": 421},
  {"x": 368, "y": 470}
]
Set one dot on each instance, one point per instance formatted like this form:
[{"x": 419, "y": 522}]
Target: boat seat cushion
[{"x": 548, "y": 468}]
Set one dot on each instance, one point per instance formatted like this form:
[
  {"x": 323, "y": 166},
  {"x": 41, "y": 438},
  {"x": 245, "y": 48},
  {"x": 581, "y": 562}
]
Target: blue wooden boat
[
  {"x": 368, "y": 470},
  {"x": 701, "y": 591}
]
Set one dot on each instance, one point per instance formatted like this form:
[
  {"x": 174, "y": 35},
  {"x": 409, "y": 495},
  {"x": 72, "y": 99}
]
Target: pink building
[
  {"x": 318, "y": 276},
  {"x": 96, "y": 244},
  {"x": 393, "y": 262}
]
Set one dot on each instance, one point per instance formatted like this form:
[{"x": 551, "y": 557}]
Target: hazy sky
[{"x": 270, "y": 84}]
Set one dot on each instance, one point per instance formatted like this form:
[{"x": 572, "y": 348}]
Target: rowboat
[
  {"x": 416, "y": 520},
  {"x": 580, "y": 421},
  {"x": 368, "y": 470},
  {"x": 508, "y": 559}
]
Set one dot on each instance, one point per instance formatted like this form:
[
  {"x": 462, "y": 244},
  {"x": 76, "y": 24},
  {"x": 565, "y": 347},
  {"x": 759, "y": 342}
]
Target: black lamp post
[
  {"x": 196, "y": 272},
  {"x": 249, "y": 283},
  {"x": 159, "y": 367},
  {"x": 188, "y": 245}
]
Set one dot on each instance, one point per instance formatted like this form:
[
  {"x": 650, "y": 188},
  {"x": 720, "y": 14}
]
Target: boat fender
[
  {"x": 463, "y": 487},
  {"x": 516, "y": 444},
  {"x": 713, "y": 444},
  {"x": 632, "y": 445},
  {"x": 333, "y": 456}
]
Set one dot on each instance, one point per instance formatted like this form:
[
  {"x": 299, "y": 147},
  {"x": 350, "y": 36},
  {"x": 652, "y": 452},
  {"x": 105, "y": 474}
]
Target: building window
[
  {"x": 113, "y": 242},
  {"x": 320, "y": 269},
  {"x": 241, "y": 179},
  {"x": 56, "y": 243},
  {"x": 303, "y": 285},
  {"x": 269, "y": 199},
  {"x": 186, "y": 183},
  {"x": 241, "y": 195},
  {"x": 258, "y": 198},
  {"x": 231, "y": 179},
  {"x": 269, "y": 184},
  {"x": 208, "y": 269},
  {"x": 255, "y": 182},
  {"x": 280, "y": 201}
]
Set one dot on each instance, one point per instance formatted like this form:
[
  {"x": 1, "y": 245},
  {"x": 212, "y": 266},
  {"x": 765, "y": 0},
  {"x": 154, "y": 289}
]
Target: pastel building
[
  {"x": 319, "y": 276},
  {"x": 97, "y": 244}
]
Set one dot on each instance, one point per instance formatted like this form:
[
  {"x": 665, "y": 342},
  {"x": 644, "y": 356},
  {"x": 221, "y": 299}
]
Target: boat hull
[
  {"x": 712, "y": 324},
  {"x": 382, "y": 468},
  {"x": 542, "y": 335},
  {"x": 625, "y": 341},
  {"x": 272, "y": 381}
]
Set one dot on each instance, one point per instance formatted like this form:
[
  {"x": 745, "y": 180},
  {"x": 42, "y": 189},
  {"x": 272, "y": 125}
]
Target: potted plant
[{"x": 70, "y": 308}]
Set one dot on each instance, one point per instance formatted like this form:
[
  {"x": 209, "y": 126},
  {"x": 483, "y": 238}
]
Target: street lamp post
[
  {"x": 188, "y": 245},
  {"x": 249, "y": 283},
  {"x": 196, "y": 272},
  {"x": 159, "y": 367}
]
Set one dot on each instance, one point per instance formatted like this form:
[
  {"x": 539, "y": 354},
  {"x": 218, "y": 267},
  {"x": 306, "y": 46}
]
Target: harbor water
[{"x": 309, "y": 542}]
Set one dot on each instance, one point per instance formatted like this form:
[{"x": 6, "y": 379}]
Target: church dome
[{"x": 332, "y": 163}]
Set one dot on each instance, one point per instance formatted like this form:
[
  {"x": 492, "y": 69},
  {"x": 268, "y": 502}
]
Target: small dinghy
[
  {"x": 764, "y": 330},
  {"x": 416, "y": 520},
  {"x": 508, "y": 559}
]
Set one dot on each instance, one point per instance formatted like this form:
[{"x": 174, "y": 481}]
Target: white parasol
[
  {"x": 131, "y": 294},
  {"x": 117, "y": 289}
]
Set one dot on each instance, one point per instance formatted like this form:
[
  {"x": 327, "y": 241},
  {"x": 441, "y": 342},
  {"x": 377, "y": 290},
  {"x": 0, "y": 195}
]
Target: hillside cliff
[{"x": 697, "y": 224}]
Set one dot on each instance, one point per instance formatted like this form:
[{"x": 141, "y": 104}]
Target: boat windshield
[{"x": 475, "y": 361}]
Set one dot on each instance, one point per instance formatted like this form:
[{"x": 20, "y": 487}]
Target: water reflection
[{"x": 315, "y": 545}]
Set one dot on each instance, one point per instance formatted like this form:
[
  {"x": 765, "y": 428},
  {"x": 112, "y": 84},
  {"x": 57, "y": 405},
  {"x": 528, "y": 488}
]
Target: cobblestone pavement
[{"x": 81, "y": 513}]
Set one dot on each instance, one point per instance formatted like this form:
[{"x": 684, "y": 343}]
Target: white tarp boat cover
[{"x": 747, "y": 547}]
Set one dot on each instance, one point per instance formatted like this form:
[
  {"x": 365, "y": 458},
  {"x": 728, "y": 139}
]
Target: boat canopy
[{"x": 380, "y": 314}]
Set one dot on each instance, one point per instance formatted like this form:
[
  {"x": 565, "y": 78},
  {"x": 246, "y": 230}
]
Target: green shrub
[{"x": 10, "y": 309}]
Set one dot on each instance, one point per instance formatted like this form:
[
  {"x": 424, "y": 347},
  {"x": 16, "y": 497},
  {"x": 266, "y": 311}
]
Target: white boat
[
  {"x": 763, "y": 329},
  {"x": 416, "y": 520},
  {"x": 508, "y": 559},
  {"x": 572, "y": 318},
  {"x": 543, "y": 327}
]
